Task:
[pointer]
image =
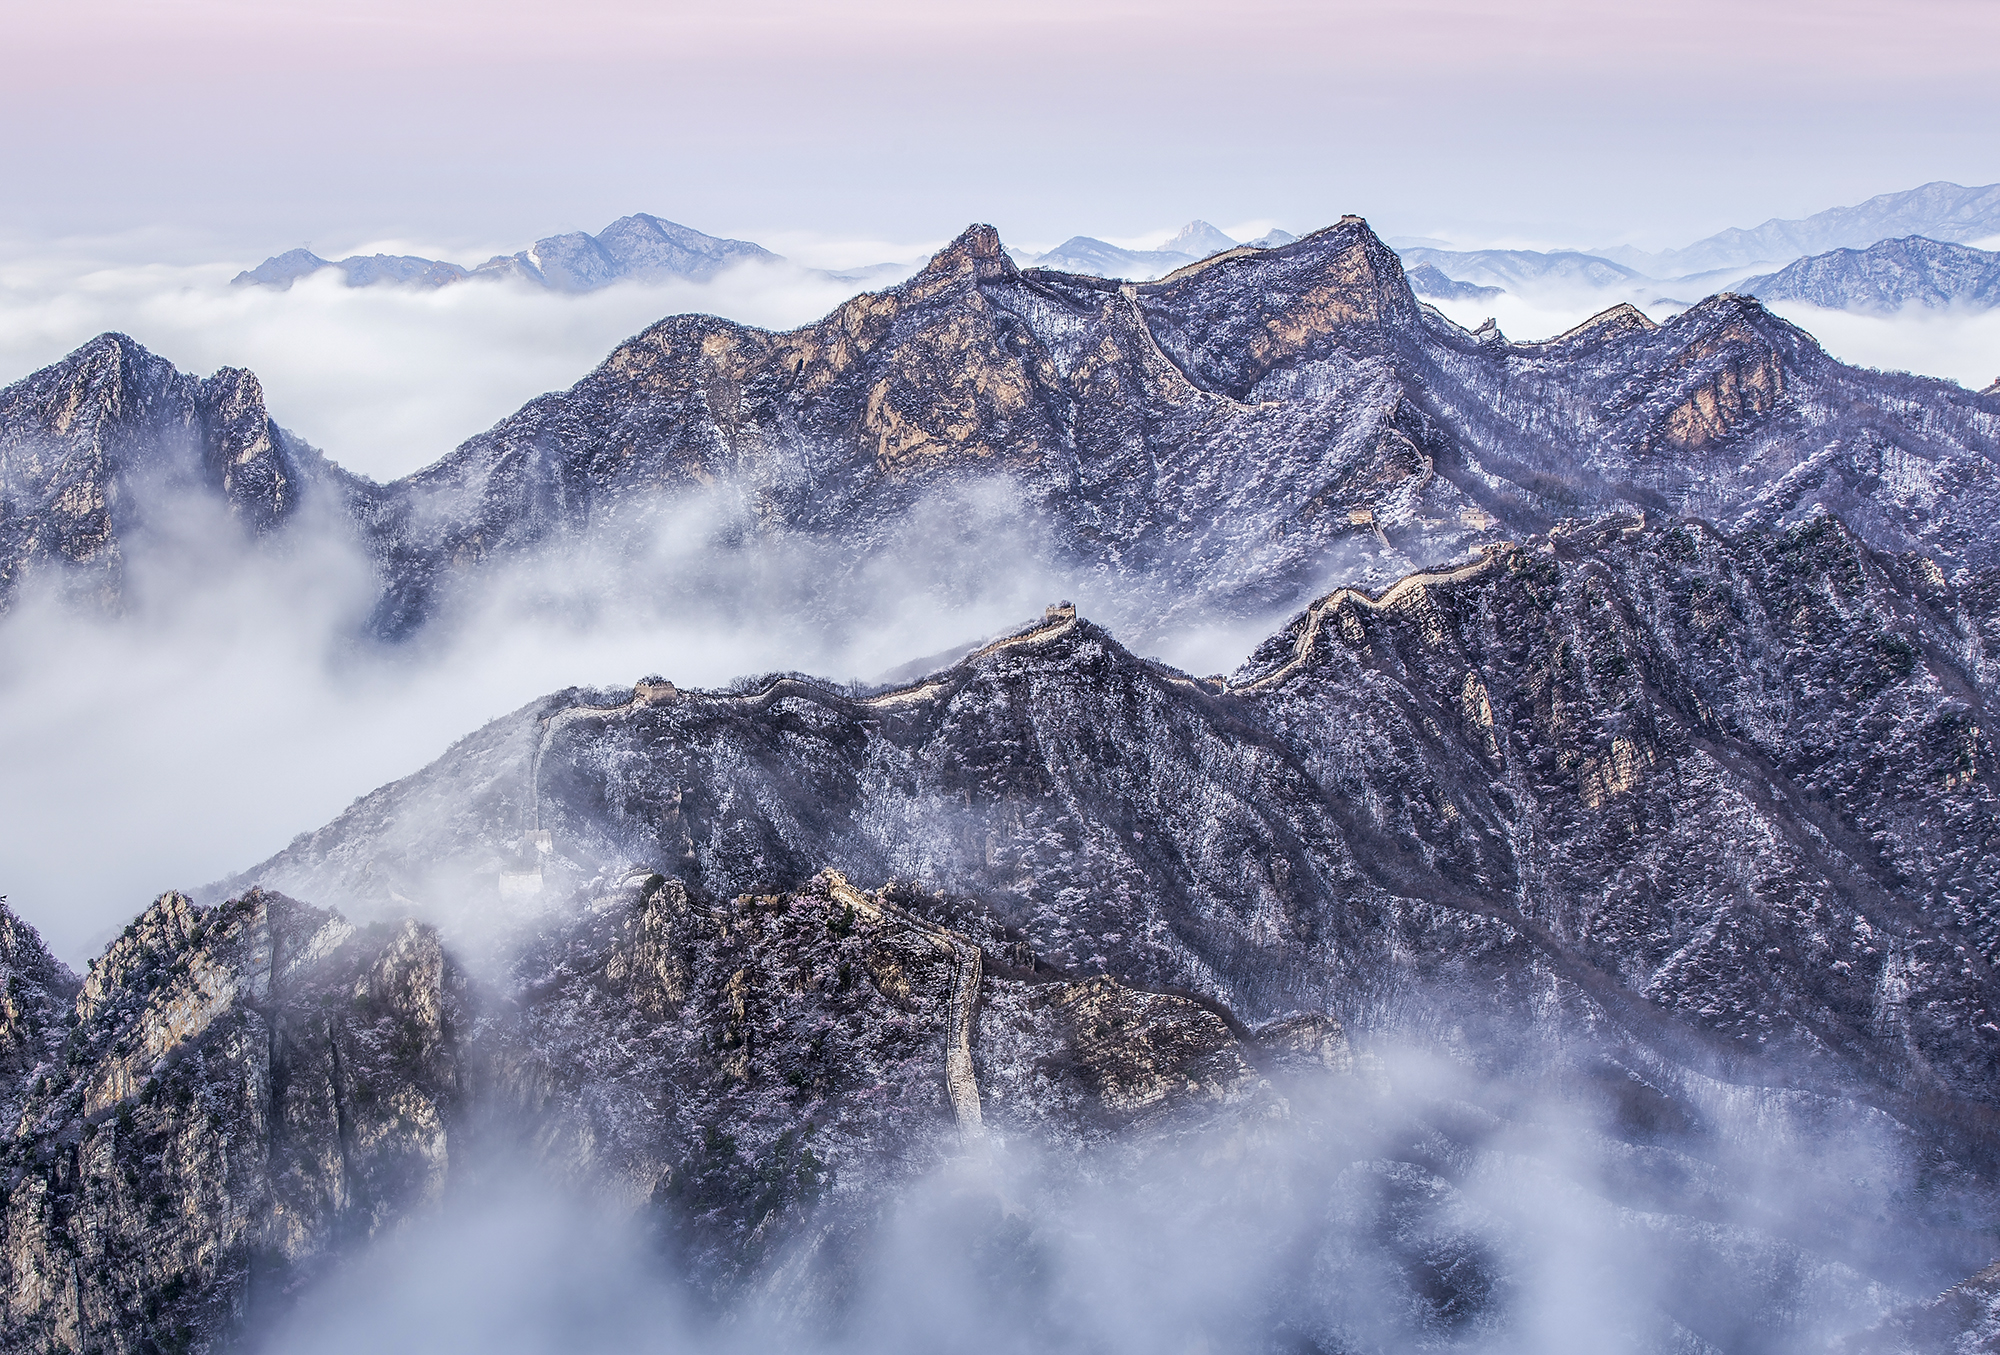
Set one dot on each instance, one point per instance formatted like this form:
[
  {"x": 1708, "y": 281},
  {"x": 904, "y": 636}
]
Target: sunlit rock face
[
  {"x": 1228, "y": 440},
  {"x": 241, "y": 1093},
  {"x": 248, "y": 1092},
  {"x": 1671, "y": 839},
  {"x": 1742, "y": 784},
  {"x": 1656, "y": 816}
]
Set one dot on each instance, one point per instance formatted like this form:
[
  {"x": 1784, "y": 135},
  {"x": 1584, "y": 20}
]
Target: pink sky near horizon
[{"x": 1583, "y": 123}]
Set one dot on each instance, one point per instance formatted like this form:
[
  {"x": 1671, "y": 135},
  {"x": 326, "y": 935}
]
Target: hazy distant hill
[
  {"x": 1426, "y": 280},
  {"x": 1193, "y": 242},
  {"x": 1513, "y": 269},
  {"x": 1940, "y": 211},
  {"x": 1887, "y": 276},
  {"x": 1207, "y": 444},
  {"x": 639, "y": 247}
]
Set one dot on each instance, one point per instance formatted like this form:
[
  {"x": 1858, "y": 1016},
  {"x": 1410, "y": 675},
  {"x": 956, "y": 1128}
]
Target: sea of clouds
[
  {"x": 178, "y": 745},
  {"x": 382, "y": 379},
  {"x": 1439, "y": 1203}
]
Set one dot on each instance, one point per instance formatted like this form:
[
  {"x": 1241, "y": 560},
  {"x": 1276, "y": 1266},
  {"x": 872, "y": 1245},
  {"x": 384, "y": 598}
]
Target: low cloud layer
[
  {"x": 1432, "y": 1202},
  {"x": 235, "y": 707},
  {"x": 382, "y": 379},
  {"x": 1961, "y": 346}
]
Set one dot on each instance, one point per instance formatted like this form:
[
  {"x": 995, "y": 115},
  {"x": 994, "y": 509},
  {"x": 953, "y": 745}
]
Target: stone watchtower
[
  {"x": 1059, "y": 611},
  {"x": 654, "y": 691}
]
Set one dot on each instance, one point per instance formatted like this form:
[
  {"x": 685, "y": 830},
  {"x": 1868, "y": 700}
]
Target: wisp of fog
[
  {"x": 383, "y": 379},
  {"x": 1463, "y": 1202},
  {"x": 1956, "y": 345}
]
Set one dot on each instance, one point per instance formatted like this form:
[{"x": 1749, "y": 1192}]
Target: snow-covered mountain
[
  {"x": 1938, "y": 211},
  {"x": 1888, "y": 276},
  {"x": 1193, "y": 242},
  {"x": 1593, "y": 880},
  {"x": 638, "y": 248}
]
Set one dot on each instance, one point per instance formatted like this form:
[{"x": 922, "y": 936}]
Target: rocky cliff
[
  {"x": 114, "y": 446},
  {"x": 1610, "y": 904},
  {"x": 1227, "y": 441},
  {"x": 241, "y": 1095}
]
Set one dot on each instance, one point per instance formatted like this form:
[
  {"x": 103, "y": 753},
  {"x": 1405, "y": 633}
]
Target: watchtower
[
  {"x": 654, "y": 691},
  {"x": 1059, "y": 611}
]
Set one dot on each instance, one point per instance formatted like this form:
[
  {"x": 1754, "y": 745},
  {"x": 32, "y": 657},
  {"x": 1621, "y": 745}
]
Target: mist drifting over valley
[{"x": 824, "y": 775}]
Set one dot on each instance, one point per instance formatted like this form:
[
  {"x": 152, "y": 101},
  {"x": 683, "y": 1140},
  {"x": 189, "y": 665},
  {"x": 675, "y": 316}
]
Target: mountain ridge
[
  {"x": 1626, "y": 747},
  {"x": 1939, "y": 210},
  {"x": 1208, "y": 443},
  {"x": 640, "y": 247},
  {"x": 1887, "y": 276}
]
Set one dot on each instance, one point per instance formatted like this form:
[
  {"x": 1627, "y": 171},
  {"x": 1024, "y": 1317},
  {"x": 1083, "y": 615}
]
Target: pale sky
[{"x": 261, "y": 125}]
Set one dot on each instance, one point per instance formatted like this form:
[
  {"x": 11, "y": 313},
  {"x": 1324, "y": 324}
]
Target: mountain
[
  {"x": 1426, "y": 280},
  {"x": 1193, "y": 242},
  {"x": 1938, "y": 211},
  {"x": 1083, "y": 255},
  {"x": 638, "y": 247},
  {"x": 1703, "y": 812},
  {"x": 1627, "y": 699},
  {"x": 1887, "y": 276},
  {"x": 114, "y": 450},
  {"x": 1694, "y": 774},
  {"x": 1198, "y": 240},
  {"x": 281, "y": 270},
  {"x": 1590, "y": 885},
  {"x": 1522, "y": 269},
  {"x": 1224, "y": 443}
]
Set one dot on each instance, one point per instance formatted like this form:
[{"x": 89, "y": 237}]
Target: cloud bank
[
  {"x": 1957, "y": 346},
  {"x": 382, "y": 379},
  {"x": 1473, "y": 1203}
]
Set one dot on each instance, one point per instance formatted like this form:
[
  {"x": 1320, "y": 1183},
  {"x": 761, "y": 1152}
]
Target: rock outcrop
[
  {"x": 246, "y": 1094},
  {"x": 1228, "y": 441},
  {"x": 243, "y": 1092},
  {"x": 114, "y": 445}
]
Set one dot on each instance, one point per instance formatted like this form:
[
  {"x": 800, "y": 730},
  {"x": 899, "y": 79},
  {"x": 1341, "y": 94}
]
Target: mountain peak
[
  {"x": 1623, "y": 318},
  {"x": 1198, "y": 240},
  {"x": 281, "y": 270},
  {"x": 977, "y": 250}
]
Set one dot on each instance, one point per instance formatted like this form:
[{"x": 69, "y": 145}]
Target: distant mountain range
[
  {"x": 1887, "y": 276},
  {"x": 636, "y": 248},
  {"x": 1939, "y": 211},
  {"x": 1651, "y": 777},
  {"x": 650, "y": 249},
  {"x": 1194, "y": 242},
  {"x": 644, "y": 248},
  {"x": 1516, "y": 269},
  {"x": 1427, "y": 281},
  {"x": 1842, "y": 258}
]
